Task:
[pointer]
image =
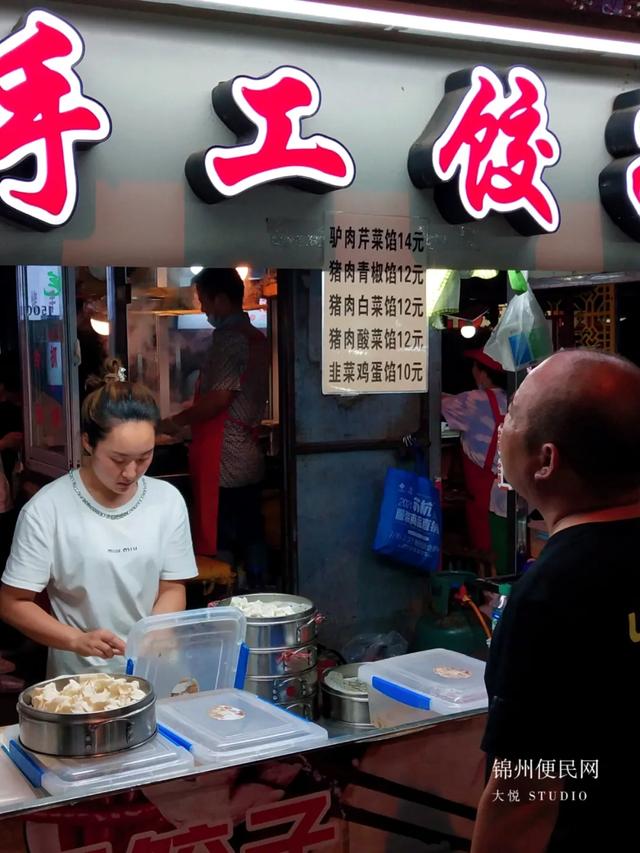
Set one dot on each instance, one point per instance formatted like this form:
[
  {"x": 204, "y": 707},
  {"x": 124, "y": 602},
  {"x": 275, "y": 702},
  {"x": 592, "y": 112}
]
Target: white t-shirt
[{"x": 101, "y": 567}]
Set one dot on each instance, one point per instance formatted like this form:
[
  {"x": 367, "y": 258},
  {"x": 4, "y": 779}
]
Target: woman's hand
[{"x": 99, "y": 643}]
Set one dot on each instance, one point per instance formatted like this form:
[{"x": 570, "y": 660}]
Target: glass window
[{"x": 45, "y": 326}]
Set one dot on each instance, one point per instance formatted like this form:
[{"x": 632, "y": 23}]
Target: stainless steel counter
[{"x": 18, "y": 797}]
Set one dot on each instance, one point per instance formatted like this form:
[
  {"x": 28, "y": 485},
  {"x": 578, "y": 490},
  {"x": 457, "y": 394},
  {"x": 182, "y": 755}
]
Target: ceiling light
[
  {"x": 196, "y": 270},
  {"x": 101, "y": 327},
  {"x": 428, "y": 25}
]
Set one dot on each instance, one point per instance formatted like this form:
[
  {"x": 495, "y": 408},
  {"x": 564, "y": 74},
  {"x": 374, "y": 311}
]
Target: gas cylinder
[{"x": 447, "y": 623}]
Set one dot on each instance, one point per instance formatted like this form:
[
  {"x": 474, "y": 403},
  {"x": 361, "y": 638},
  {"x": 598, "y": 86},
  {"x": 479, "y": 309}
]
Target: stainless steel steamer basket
[
  {"x": 284, "y": 689},
  {"x": 276, "y": 632},
  {"x": 270, "y": 662},
  {"x": 77, "y": 735},
  {"x": 305, "y": 708},
  {"x": 352, "y": 708}
]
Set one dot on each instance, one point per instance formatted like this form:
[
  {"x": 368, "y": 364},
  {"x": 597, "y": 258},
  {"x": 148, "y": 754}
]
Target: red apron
[
  {"x": 479, "y": 482},
  {"x": 205, "y": 455}
]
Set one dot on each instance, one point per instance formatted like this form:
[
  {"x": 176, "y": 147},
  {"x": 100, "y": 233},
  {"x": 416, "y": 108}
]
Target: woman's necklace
[{"x": 113, "y": 516}]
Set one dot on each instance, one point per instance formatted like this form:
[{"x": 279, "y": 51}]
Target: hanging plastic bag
[
  {"x": 522, "y": 336},
  {"x": 409, "y": 523},
  {"x": 368, "y": 647}
]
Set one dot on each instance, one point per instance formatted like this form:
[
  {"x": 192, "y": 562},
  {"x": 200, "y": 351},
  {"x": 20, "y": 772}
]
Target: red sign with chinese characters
[
  {"x": 620, "y": 181},
  {"x": 486, "y": 150},
  {"x": 266, "y": 115},
  {"x": 44, "y": 115}
]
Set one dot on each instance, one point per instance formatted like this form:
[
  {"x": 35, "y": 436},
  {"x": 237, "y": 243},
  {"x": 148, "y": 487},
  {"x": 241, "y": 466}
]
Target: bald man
[{"x": 565, "y": 661}]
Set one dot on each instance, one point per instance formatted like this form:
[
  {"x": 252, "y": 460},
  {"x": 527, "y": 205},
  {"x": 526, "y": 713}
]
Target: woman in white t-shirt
[{"x": 108, "y": 544}]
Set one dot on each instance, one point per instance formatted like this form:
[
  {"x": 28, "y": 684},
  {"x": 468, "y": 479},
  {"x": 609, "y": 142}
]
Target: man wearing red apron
[
  {"x": 478, "y": 415},
  {"x": 225, "y": 460}
]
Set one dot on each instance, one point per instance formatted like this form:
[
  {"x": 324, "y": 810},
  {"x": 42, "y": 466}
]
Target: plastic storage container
[
  {"x": 194, "y": 650},
  {"x": 421, "y": 685},
  {"x": 222, "y": 727},
  {"x": 128, "y": 768},
  {"x": 14, "y": 788}
]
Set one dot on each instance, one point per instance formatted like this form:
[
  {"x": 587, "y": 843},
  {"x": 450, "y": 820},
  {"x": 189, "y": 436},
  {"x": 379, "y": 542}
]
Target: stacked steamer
[{"x": 283, "y": 649}]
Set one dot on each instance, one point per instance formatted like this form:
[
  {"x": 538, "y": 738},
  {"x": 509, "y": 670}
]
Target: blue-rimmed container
[{"x": 415, "y": 687}]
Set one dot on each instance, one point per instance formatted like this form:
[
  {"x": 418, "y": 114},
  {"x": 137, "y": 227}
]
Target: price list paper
[{"x": 374, "y": 307}]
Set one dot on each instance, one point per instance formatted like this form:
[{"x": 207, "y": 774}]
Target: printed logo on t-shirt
[
  {"x": 634, "y": 634},
  {"x": 128, "y": 549}
]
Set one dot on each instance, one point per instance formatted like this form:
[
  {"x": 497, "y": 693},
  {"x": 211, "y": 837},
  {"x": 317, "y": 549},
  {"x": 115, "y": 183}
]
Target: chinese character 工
[{"x": 266, "y": 114}]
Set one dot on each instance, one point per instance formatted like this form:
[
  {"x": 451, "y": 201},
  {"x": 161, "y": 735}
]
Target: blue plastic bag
[{"x": 409, "y": 523}]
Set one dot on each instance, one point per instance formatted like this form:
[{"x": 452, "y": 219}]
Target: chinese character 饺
[
  {"x": 500, "y": 143},
  {"x": 490, "y": 155}
]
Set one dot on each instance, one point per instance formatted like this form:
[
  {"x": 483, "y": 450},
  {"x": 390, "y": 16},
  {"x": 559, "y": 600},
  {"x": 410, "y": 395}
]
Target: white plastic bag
[{"x": 522, "y": 336}]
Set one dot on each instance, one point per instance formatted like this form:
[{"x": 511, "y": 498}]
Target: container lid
[
  {"x": 126, "y": 768},
  {"x": 435, "y": 680},
  {"x": 224, "y": 726},
  {"x": 190, "y": 651},
  {"x": 14, "y": 788}
]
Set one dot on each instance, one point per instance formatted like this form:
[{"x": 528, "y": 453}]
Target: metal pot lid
[{"x": 339, "y": 682}]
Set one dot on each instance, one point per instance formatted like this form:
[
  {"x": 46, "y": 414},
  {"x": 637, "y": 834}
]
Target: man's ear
[{"x": 548, "y": 462}]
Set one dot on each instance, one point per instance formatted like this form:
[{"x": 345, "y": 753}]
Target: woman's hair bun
[
  {"x": 112, "y": 371},
  {"x": 113, "y": 399}
]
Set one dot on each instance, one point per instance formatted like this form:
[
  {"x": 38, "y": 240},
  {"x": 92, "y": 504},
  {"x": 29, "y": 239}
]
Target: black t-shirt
[{"x": 562, "y": 678}]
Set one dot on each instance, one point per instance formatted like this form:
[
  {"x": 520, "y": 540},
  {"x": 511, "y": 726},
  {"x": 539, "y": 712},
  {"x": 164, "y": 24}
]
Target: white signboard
[
  {"x": 44, "y": 292},
  {"x": 374, "y": 307}
]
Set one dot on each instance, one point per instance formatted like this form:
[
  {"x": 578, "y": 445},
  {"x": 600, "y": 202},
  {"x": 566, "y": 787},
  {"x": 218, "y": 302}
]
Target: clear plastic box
[
  {"x": 131, "y": 767},
  {"x": 224, "y": 727},
  {"x": 410, "y": 688},
  {"x": 196, "y": 649},
  {"x": 14, "y": 788}
]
